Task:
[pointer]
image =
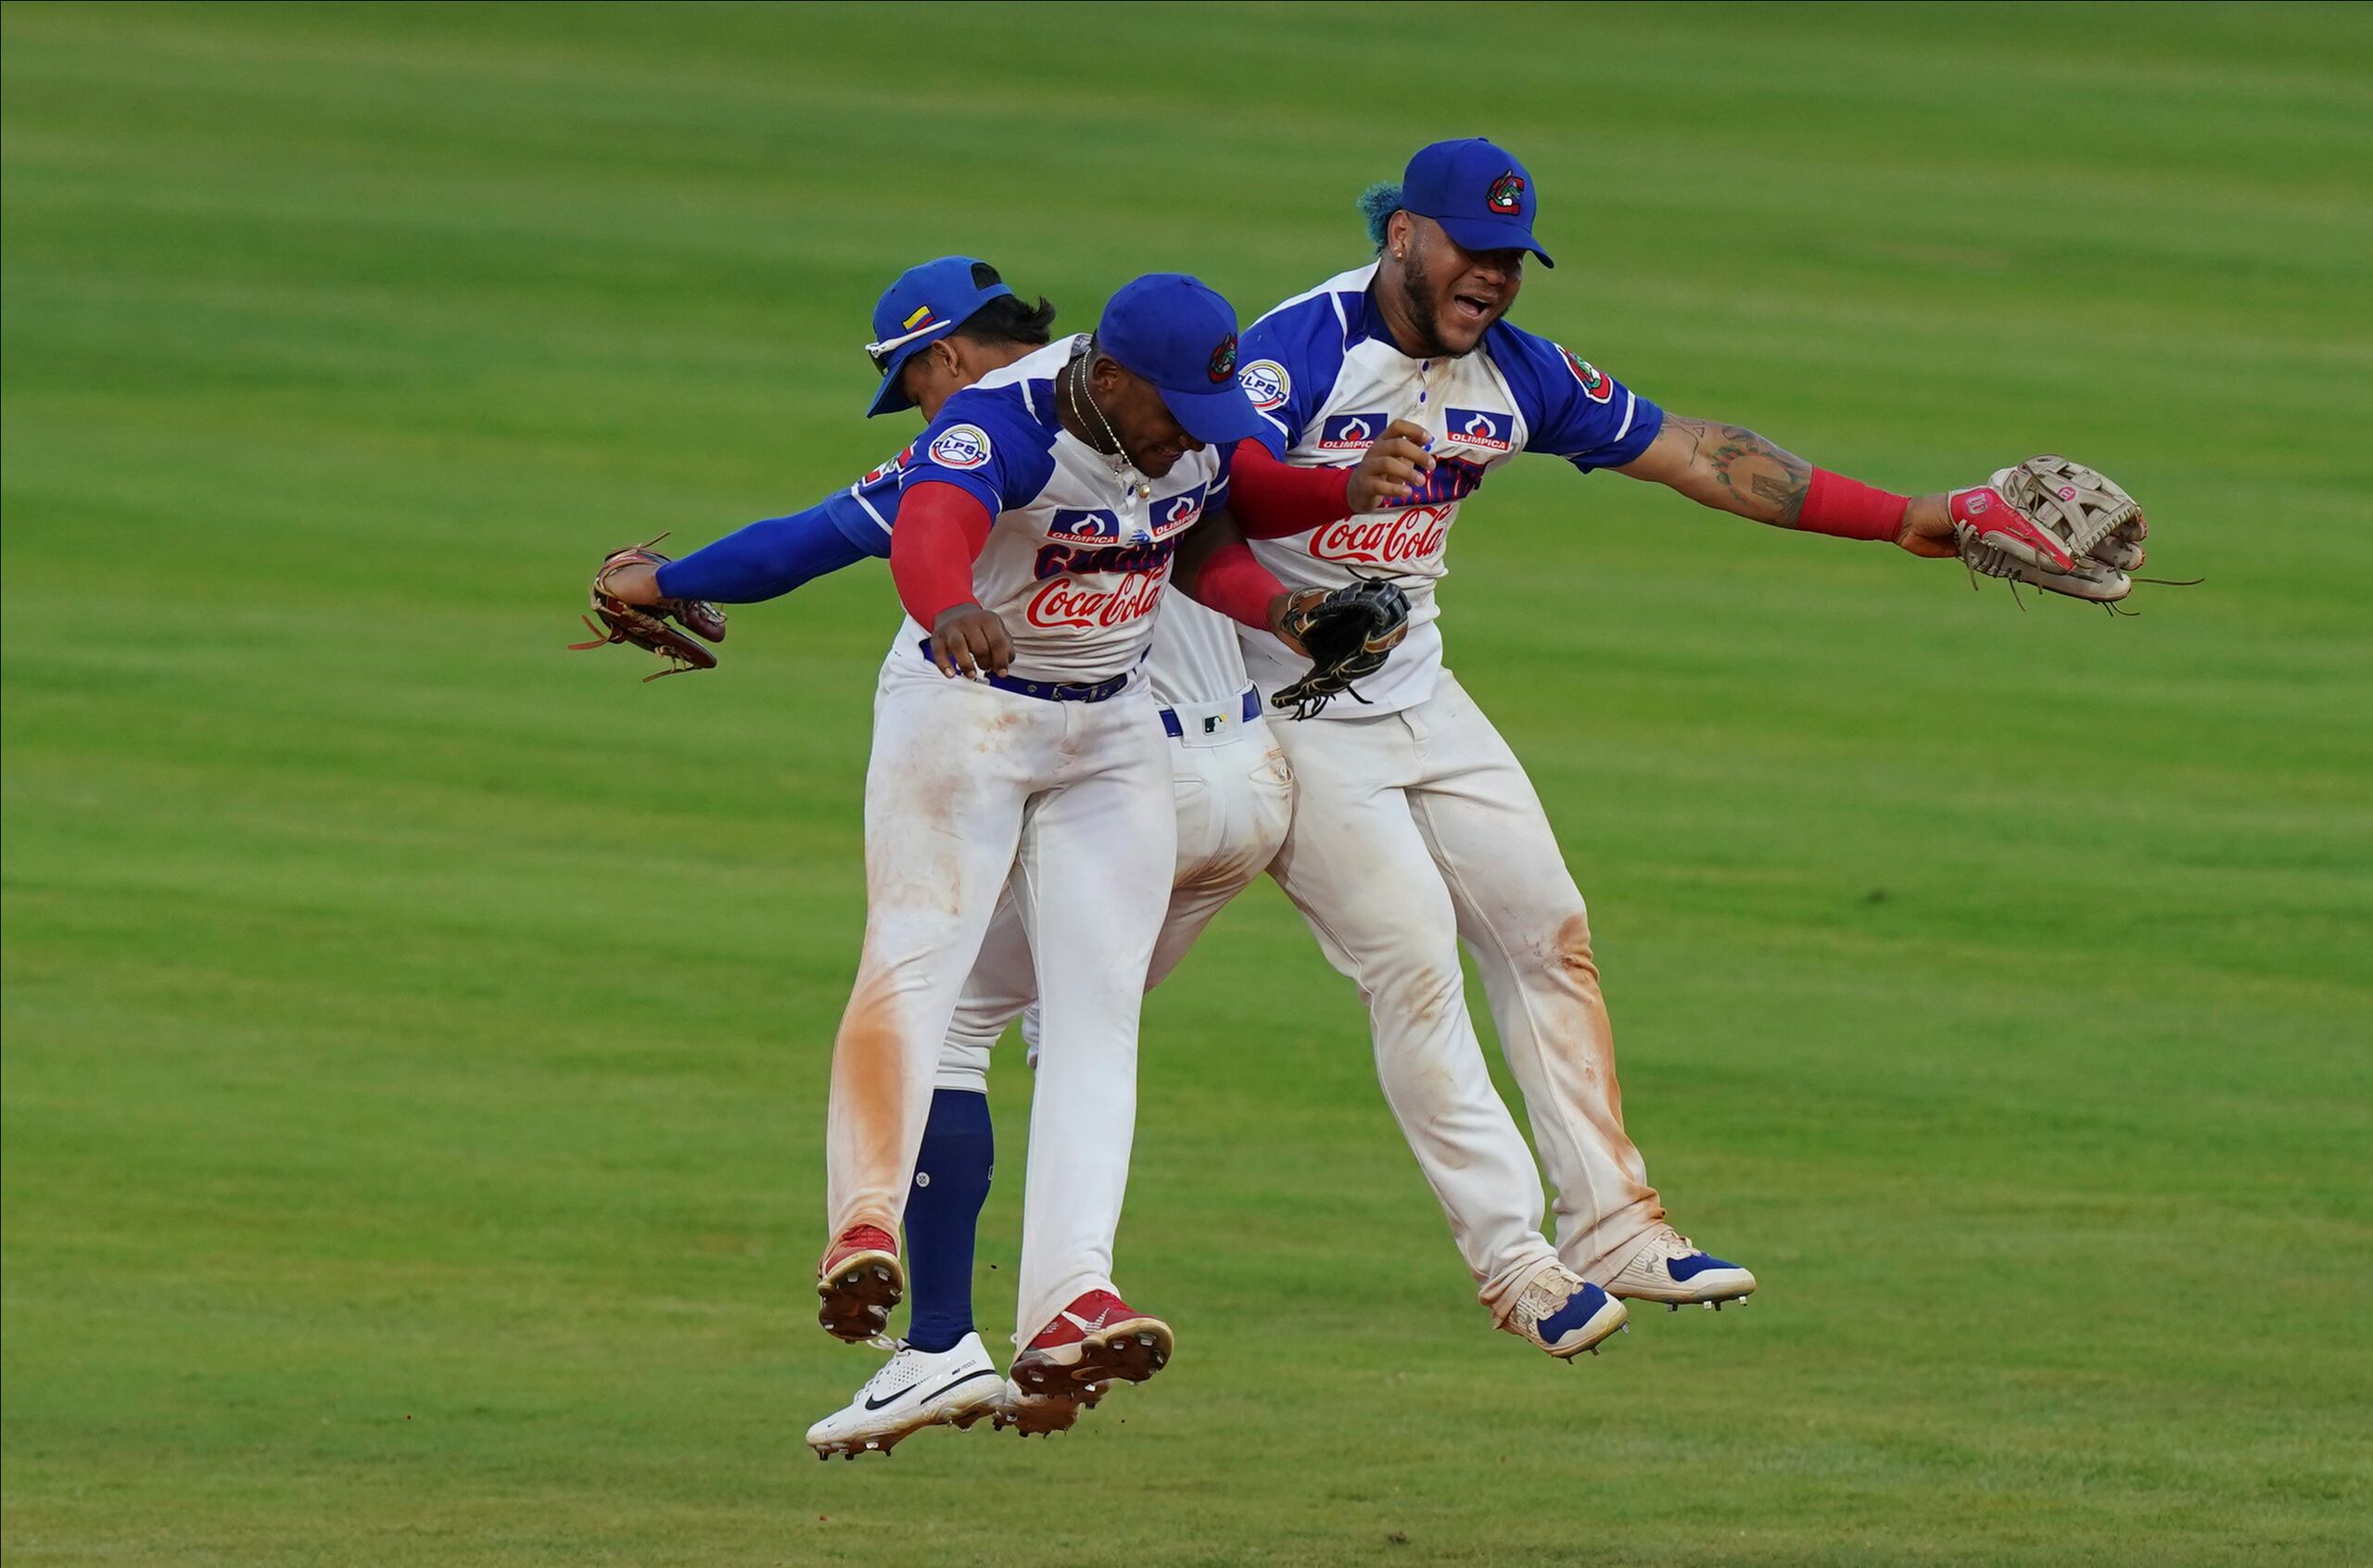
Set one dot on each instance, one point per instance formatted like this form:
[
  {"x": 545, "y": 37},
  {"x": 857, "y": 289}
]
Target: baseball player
[
  {"x": 940, "y": 327},
  {"x": 1416, "y": 829},
  {"x": 1043, "y": 516}
]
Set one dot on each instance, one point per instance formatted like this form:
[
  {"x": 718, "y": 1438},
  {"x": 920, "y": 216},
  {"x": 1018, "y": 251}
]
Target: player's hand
[
  {"x": 970, "y": 641},
  {"x": 1928, "y": 528},
  {"x": 1395, "y": 464},
  {"x": 626, "y": 595},
  {"x": 1280, "y": 617},
  {"x": 633, "y": 582}
]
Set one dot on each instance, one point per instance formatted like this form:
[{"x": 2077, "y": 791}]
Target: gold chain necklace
[{"x": 1122, "y": 469}]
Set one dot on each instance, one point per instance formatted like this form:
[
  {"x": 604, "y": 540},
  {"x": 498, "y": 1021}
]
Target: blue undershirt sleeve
[{"x": 768, "y": 558}]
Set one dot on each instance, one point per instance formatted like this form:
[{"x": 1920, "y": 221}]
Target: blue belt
[
  {"x": 1053, "y": 691},
  {"x": 1177, "y": 731}
]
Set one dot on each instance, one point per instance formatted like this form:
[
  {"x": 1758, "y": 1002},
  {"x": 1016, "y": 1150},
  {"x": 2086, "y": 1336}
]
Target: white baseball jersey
[
  {"x": 1323, "y": 368},
  {"x": 1196, "y": 657},
  {"x": 1076, "y": 562}
]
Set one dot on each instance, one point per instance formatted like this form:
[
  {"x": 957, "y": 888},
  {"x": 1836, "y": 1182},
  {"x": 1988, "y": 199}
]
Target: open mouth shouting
[{"x": 1474, "y": 309}]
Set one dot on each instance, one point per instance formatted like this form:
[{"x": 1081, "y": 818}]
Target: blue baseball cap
[
  {"x": 1169, "y": 329},
  {"x": 925, "y": 304},
  {"x": 1477, "y": 191}
]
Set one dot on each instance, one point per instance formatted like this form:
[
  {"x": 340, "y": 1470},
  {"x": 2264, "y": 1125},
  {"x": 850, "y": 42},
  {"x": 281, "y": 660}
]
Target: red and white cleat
[
  {"x": 859, "y": 1281},
  {"x": 1098, "y": 1338},
  {"x": 1043, "y": 1415}
]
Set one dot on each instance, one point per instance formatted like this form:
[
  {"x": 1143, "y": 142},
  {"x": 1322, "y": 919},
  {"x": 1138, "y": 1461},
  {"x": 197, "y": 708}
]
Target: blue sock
[{"x": 943, "y": 1211}]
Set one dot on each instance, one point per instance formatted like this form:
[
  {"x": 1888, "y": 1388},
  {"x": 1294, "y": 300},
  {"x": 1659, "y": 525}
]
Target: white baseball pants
[
  {"x": 1234, "y": 801},
  {"x": 1417, "y": 831},
  {"x": 969, "y": 787}
]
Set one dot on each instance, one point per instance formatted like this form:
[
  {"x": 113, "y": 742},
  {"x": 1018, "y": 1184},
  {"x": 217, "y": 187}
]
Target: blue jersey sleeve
[
  {"x": 1571, "y": 408},
  {"x": 1289, "y": 362},
  {"x": 987, "y": 443},
  {"x": 865, "y": 509}
]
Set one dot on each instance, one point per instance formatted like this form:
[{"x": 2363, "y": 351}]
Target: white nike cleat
[
  {"x": 1670, "y": 1268},
  {"x": 916, "y": 1390},
  {"x": 1042, "y": 1415},
  {"x": 1563, "y": 1313}
]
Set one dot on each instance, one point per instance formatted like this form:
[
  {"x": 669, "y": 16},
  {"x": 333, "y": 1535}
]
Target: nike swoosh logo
[{"x": 884, "y": 1404}]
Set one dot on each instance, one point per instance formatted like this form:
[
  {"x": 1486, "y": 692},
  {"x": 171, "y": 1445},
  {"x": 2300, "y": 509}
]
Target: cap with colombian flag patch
[{"x": 917, "y": 310}]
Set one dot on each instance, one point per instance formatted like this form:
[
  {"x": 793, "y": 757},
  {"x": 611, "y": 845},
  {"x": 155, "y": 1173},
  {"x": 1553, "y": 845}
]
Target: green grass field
[{"x": 416, "y": 1036}]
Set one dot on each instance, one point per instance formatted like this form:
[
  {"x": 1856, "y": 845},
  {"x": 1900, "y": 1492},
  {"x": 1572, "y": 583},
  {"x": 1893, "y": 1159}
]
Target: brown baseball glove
[
  {"x": 2083, "y": 533},
  {"x": 646, "y": 626}
]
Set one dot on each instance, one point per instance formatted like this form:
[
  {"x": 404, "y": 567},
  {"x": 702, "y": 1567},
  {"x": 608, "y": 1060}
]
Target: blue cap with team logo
[
  {"x": 1477, "y": 191},
  {"x": 1169, "y": 329},
  {"x": 924, "y": 305}
]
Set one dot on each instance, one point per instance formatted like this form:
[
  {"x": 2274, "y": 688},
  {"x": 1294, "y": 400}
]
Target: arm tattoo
[{"x": 1750, "y": 476}]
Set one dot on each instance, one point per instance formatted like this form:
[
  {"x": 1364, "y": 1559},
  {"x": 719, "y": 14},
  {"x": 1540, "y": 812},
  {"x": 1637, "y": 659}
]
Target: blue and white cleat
[
  {"x": 1564, "y": 1314},
  {"x": 1670, "y": 1269}
]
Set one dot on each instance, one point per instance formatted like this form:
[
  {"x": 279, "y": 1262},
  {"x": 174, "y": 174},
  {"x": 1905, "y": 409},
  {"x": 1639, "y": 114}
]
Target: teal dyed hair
[{"x": 1378, "y": 203}]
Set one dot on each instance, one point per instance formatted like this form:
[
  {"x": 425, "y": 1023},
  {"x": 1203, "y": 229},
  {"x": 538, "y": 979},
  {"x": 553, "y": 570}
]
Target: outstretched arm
[
  {"x": 764, "y": 561},
  {"x": 1733, "y": 469}
]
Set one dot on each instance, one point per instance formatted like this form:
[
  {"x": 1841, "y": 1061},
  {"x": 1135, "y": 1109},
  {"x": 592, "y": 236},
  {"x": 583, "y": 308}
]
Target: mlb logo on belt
[
  {"x": 1479, "y": 427},
  {"x": 1073, "y": 526},
  {"x": 1350, "y": 433},
  {"x": 1173, "y": 512}
]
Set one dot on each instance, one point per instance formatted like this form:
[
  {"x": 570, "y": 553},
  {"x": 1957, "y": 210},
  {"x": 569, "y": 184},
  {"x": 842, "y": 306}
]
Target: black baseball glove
[{"x": 1347, "y": 633}]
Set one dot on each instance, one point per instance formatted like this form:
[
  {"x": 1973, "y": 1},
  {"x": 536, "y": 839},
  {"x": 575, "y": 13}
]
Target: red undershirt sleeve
[
  {"x": 1272, "y": 499},
  {"x": 1847, "y": 509},
  {"x": 1236, "y": 585},
  {"x": 941, "y": 530}
]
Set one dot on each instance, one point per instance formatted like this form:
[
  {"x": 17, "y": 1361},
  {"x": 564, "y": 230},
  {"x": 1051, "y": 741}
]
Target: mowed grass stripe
[{"x": 417, "y": 1035}]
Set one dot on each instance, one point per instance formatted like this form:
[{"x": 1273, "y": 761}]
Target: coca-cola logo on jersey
[
  {"x": 1403, "y": 538},
  {"x": 1064, "y": 602}
]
